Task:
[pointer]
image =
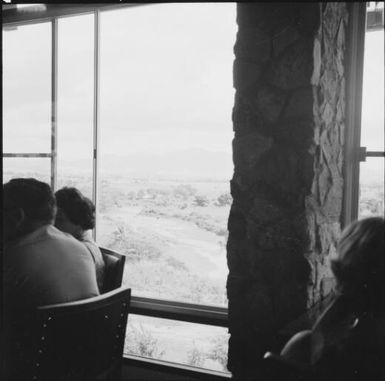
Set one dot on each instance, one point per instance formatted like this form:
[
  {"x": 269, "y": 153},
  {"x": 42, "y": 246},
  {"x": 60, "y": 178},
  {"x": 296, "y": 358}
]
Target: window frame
[
  {"x": 158, "y": 308},
  {"x": 361, "y": 21}
]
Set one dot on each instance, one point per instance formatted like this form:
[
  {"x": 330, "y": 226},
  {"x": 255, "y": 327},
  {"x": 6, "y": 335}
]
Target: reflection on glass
[
  {"x": 38, "y": 168},
  {"x": 371, "y": 201},
  {"x": 165, "y": 143},
  {"x": 180, "y": 342},
  {"x": 75, "y": 102},
  {"x": 372, "y": 127},
  {"x": 27, "y": 89}
]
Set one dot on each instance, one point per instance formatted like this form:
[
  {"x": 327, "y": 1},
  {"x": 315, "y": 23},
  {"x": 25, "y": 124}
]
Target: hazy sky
[{"x": 165, "y": 80}]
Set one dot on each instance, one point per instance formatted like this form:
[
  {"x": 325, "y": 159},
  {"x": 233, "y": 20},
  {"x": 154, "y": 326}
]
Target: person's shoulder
[
  {"x": 57, "y": 235},
  {"x": 25, "y": 242},
  {"x": 63, "y": 239}
]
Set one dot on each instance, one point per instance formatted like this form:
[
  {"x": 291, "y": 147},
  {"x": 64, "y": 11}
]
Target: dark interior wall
[{"x": 288, "y": 121}]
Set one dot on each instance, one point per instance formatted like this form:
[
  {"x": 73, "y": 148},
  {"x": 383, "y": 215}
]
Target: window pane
[
  {"x": 27, "y": 89},
  {"x": 191, "y": 344},
  {"x": 371, "y": 188},
  {"x": 372, "y": 128},
  {"x": 166, "y": 131},
  {"x": 38, "y": 168},
  {"x": 75, "y": 102}
]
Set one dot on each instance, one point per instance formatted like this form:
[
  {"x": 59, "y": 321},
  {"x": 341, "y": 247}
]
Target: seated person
[
  {"x": 76, "y": 216},
  {"x": 348, "y": 341},
  {"x": 41, "y": 264}
]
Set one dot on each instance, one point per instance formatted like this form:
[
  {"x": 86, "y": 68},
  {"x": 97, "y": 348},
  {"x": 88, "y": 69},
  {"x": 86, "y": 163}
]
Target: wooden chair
[
  {"x": 114, "y": 267},
  {"x": 81, "y": 340}
]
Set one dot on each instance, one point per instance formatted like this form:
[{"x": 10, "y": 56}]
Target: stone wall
[
  {"x": 324, "y": 203},
  {"x": 287, "y": 152}
]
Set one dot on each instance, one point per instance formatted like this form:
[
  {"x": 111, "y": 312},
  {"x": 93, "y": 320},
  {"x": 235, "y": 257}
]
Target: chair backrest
[
  {"x": 114, "y": 267},
  {"x": 80, "y": 340}
]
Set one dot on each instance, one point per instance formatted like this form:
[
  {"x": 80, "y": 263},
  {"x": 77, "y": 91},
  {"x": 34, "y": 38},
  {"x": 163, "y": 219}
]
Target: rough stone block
[
  {"x": 245, "y": 74},
  {"x": 246, "y": 119},
  {"x": 248, "y": 149},
  {"x": 327, "y": 115},
  {"x": 269, "y": 17},
  {"x": 300, "y": 104},
  {"x": 341, "y": 36},
  {"x": 237, "y": 224},
  {"x": 284, "y": 39},
  {"x": 324, "y": 183},
  {"x": 252, "y": 45},
  {"x": 269, "y": 102},
  {"x": 294, "y": 67},
  {"x": 333, "y": 202},
  {"x": 265, "y": 210},
  {"x": 294, "y": 132},
  {"x": 330, "y": 21},
  {"x": 308, "y": 18}
]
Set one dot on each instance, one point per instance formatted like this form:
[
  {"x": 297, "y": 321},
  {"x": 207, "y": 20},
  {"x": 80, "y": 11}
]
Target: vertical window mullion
[
  {"x": 54, "y": 81},
  {"x": 95, "y": 182}
]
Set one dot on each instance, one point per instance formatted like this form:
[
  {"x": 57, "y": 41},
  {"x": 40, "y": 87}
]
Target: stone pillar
[{"x": 287, "y": 185}]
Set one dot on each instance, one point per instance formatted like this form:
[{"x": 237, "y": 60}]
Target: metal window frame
[
  {"x": 354, "y": 153},
  {"x": 158, "y": 308},
  {"x": 53, "y": 154},
  {"x": 54, "y": 94},
  {"x": 95, "y": 160}
]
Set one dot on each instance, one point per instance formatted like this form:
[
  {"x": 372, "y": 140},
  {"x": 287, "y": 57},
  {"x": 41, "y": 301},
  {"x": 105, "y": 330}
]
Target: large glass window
[
  {"x": 163, "y": 121},
  {"x": 371, "y": 191},
  {"x": 191, "y": 344},
  {"x": 27, "y": 89},
  {"x": 75, "y": 102},
  {"x": 38, "y": 168},
  {"x": 165, "y": 142}
]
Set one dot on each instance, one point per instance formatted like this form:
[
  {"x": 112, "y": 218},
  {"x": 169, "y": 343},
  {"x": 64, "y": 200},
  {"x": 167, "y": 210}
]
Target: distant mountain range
[
  {"x": 194, "y": 163},
  {"x": 189, "y": 163}
]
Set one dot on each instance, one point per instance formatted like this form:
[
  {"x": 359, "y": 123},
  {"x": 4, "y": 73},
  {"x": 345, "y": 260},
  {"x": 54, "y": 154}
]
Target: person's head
[
  {"x": 28, "y": 205},
  {"x": 359, "y": 266},
  {"x": 76, "y": 213}
]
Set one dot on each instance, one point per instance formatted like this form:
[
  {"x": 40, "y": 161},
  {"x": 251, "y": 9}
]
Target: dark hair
[
  {"x": 360, "y": 261},
  {"x": 79, "y": 209},
  {"x": 33, "y": 196}
]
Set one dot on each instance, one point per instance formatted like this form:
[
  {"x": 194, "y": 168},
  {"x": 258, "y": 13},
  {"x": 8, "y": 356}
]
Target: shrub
[
  {"x": 135, "y": 245},
  {"x": 224, "y": 199},
  {"x": 195, "y": 357},
  {"x": 184, "y": 191},
  {"x": 141, "y": 342},
  {"x": 201, "y": 200},
  {"x": 219, "y": 351},
  {"x": 175, "y": 263}
]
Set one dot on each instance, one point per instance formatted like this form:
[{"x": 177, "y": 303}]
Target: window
[
  {"x": 27, "y": 101},
  {"x": 165, "y": 147},
  {"x": 75, "y": 102},
  {"x": 177, "y": 341},
  {"x": 141, "y": 122},
  {"x": 371, "y": 192},
  {"x": 364, "y": 164}
]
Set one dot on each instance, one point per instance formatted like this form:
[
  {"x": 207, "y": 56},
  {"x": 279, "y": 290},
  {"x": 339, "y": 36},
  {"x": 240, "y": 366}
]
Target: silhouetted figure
[
  {"x": 348, "y": 341},
  {"x": 41, "y": 264},
  {"x": 76, "y": 216}
]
